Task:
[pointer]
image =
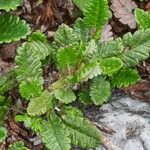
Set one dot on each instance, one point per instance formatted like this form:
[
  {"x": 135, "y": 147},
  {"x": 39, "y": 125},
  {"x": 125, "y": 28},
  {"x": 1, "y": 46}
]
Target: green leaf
[
  {"x": 82, "y": 132},
  {"x": 86, "y": 72},
  {"x": 18, "y": 145},
  {"x": 97, "y": 13},
  {"x": 5, "y": 104},
  {"x": 110, "y": 65},
  {"x": 12, "y": 28},
  {"x": 31, "y": 88},
  {"x": 81, "y": 30},
  {"x": 100, "y": 90},
  {"x": 143, "y": 18},
  {"x": 3, "y": 134},
  {"x": 38, "y": 36},
  {"x": 65, "y": 36},
  {"x": 65, "y": 95},
  {"x": 82, "y": 4},
  {"x": 54, "y": 135},
  {"x": 110, "y": 48},
  {"x": 7, "y": 82},
  {"x": 40, "y": 105},
  {"x": 9, "y": 4},
  {"x": 125, "y": 77},
  {"x": 68, "y": 56},
  {"x": 137, "y": 47}
]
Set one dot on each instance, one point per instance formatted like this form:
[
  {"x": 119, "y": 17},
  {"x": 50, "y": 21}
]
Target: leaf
[
  {"x": 137, "y": 47},
  {"x": 65, "y": 95},
  {"x": 5, "y": 104},
  {"x": 123, "y": 10},
  {"x": 67, "y": 57},
  {"x": 12, "y": 28},
  {"x": 31, "y": 88},
  {"x": 143, "y": 18},
  {"x": 97, "y": 13},
  {"x": 3, "y": 134},
  {"x": 18, "y": 145},
  {"x": 107, "y": 34},
  {"x": 54, "y": 134},
  {"x": 82, "y": 132},
  {"x": 110, "y": 48},
  {"x": 38, "y": 36},
  {"x": 65, "y": 36},
  {"x": 40, "y": 105},
  {"x": 81, "y": 30},
  {"x": 100, "y": 90},
  {"x": 88, "y": 71},
  {"x": 7, "y": 82},
  {"x": 125, "y": 77},
  {"x": 111, "y": 65},
  {"x": 9, "y": 4},
  {"x": 82, "y": 4}
]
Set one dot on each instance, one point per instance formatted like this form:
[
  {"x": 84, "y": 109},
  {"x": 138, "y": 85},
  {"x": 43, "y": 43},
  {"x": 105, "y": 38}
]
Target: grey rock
[{"x": 128, "y": 118}]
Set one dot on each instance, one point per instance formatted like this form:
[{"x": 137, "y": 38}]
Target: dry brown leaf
[
  {"x": 107, "y": 34},
  {"x": 123, "y": 9}
]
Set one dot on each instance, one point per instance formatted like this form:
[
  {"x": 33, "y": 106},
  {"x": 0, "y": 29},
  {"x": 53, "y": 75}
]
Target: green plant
[
  {"x": 3, "y": 134},
  {"x": 83, "y": 61},
  {"x": 18, "y": 145}
]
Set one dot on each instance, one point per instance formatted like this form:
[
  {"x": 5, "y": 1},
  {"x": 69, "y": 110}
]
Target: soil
[{"x": 46, "y": 16}]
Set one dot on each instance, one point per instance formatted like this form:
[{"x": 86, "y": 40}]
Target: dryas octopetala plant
[{"x": 82, "y": 61}]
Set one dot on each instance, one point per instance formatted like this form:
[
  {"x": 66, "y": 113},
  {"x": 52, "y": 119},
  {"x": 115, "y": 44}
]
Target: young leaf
[
  {"x": 68, "y": 56},
  {"x": 10, "y": 25},
  {"x": 40, "y": 105},
  {"x": 143, "y": 18},
  {"x": 81, "y": 30},
  {"x": 110, "y": 65},
  {"x": 125, "y": 77},
  {"x": 97, "y": 13},
  {"x": 100, "y": 90},
  {"x": 3, "y": 134},
  {"x": 31, "y": 87},
  {"x": 9, "y": 4},
  {"x": 65, "y": 36},
  {"x": 137, "y": 47},
  {"x": 54, "y": 135},
  {"x": 110, "y": 48},
  {"x": 82, "y": 132},
  {"x": 82, "y": 4},
  {"x": 65, "y": 95},
  {"x": 18, "y": 145}
]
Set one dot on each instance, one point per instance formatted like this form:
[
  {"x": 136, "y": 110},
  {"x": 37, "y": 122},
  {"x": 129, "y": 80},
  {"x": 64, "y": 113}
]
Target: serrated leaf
[
  {"x": 65, "y": 95},
  {"x": 67, "y": 57},
  {"x": 3, "y": 134},
  {"x": 40, "y": 105},
  {"x": 18, "y": 145},
  {"x": 110, "y": 65},
  {"x": 125, "y": 77},
  {"x": 65, "y": 36},
  {"x": 31, "y": 88},
  {"x": 5, "y": 104},
  {"x": 143, "y": 18},
  {"x": 9, "y": 4},
  {"x": 81, "y": 30},
  {"x": 82, "y": 4},
  {"x": 7, "y": 82},
  {"x": 12, "y": 28},
  {"x": 82, "y": 132},
  {"x": 38, "y": 36},
  {"x": 110, "y": 48},
  {"x": 100, "y": 90},
  {"x": 97, "y": 13},
  {"x": 54, "y": 135},
  {"x": 137, "y": 47}
]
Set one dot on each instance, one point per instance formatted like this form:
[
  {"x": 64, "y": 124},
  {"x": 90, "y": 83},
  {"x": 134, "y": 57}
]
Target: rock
[{"x": 130, "y": 121}]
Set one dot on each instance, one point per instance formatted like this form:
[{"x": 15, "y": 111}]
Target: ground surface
[{"x": 124, "y": 121}]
